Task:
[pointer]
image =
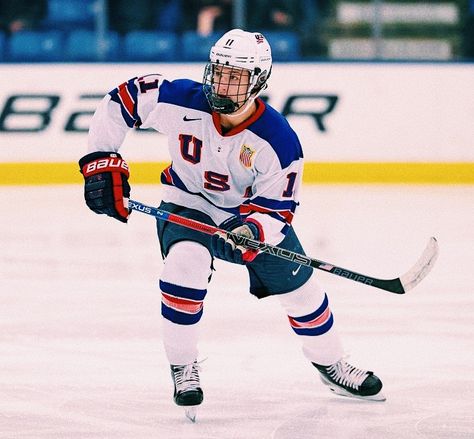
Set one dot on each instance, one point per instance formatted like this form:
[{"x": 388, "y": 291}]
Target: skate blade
[
  {"x": 378, "y": 397},
  {"x": 343, "y": 392},
  {"x": 191, "y": 412}
]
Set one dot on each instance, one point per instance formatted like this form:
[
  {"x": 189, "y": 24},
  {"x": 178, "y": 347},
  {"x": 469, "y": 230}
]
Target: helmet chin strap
[
  {"x": 242, "y": 109},
  {"x": 253, "y": 95}
]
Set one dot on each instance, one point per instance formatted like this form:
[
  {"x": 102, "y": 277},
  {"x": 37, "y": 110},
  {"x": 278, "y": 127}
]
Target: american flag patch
[
  {"x": 246, "y": 156},
  {"x": 327, "y": 267},
  {"x": 260, "y": 38}
]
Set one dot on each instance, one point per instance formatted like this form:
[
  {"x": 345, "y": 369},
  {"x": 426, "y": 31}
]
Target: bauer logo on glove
[
  {"x": 106, "y": 189},
  {"x": 108, "y": 163}
]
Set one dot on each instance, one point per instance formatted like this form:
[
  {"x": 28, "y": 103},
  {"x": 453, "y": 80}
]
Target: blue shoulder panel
[
  {"x": 185, "y": 93},
  {"x": 275, "y": 129}
]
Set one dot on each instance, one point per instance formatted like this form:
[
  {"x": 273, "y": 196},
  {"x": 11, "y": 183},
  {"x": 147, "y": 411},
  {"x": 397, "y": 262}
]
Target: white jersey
[{"x": 253, "y": 170}]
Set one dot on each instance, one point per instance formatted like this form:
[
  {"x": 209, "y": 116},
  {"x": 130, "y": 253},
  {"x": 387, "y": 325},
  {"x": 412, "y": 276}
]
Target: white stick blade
[{"x": 424, "y": 265}]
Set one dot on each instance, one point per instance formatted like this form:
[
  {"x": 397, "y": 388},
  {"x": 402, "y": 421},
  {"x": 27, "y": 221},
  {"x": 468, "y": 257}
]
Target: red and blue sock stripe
[
  {"x": 181, "y": 305},
  {"x": 317, "y": 323}
]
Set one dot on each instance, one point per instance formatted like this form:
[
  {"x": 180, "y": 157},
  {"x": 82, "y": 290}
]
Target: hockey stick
[{"x": 399, "y": 285}]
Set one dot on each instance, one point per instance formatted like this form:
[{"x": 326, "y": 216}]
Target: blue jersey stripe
[
  {"x": 272, "y": 204},
  {"x": 130, "y": 115},
  {"x": 175, "y": 180},
  {"x": 275, "y": 129},
  {"x": 185, "y": 93}
]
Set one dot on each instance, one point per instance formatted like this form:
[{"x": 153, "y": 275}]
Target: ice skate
[
  {"x": 347, "y": 380},
  {"x": 187, "y": 390}
]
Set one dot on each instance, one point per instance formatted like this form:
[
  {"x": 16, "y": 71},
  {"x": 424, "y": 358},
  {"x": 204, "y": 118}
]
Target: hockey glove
[
  {"x": 106, "y": 189},
  {"x": 225, "y": 248}
]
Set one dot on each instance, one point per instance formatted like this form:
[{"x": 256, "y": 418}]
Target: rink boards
[{"x": 357, "y": 122}]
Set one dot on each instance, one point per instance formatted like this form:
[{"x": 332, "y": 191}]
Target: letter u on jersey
[{"x": 190, "y": 148}]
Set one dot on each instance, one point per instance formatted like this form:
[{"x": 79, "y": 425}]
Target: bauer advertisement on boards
[{"x": 341, "y": 112}]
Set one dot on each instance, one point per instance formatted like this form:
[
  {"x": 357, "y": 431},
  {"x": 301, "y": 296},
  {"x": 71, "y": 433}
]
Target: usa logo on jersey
[{"x": 246, "y": 156}]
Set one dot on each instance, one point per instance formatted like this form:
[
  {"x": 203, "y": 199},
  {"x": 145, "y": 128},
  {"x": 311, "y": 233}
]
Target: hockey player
[{"x": 236, "y": 163}]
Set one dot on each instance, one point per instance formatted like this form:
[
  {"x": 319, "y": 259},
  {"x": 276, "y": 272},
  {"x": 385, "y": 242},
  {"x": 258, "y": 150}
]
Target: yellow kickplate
[{"x": 314, "y": 172}]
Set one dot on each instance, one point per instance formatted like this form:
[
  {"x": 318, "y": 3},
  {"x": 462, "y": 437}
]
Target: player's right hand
[
  {"x": 106, "y": 189},
  {"x": 224, "y": 247}
]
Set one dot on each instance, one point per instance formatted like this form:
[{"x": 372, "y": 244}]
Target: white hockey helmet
[{"x": 240, "y": 50}]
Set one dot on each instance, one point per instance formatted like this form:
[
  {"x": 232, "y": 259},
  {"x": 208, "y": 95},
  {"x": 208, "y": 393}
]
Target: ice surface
[{"x": 80, "y": 336}]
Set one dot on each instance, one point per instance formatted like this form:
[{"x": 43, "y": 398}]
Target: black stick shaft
[{"x": 391, "y": 285}]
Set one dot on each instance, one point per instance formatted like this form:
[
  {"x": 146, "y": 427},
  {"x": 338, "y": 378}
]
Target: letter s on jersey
[
  {"x": 215, "y": 181},
  {"x": 191, "y": 147}
]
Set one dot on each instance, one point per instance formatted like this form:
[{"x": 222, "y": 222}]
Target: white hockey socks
[
  {"x": 183, "y": 285},
  {"x": 312, "y": 320}
]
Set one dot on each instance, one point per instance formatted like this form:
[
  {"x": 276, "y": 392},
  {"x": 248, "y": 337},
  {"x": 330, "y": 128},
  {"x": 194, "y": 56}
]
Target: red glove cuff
[
  {"x": 261, "y": 235},
  {"x": 250, "y": 255}
]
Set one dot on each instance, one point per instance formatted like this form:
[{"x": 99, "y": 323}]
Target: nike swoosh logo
[
  {"x": 295, "y": 271},
  {"x": 186, "y": 119}
]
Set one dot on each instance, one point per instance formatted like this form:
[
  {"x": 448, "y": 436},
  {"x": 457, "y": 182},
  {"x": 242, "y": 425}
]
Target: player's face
[{"x": 231, "y": 82}]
